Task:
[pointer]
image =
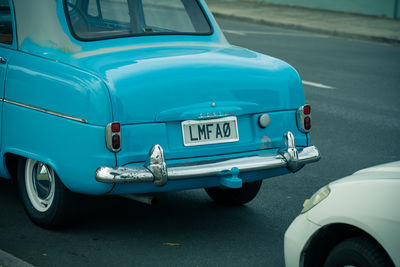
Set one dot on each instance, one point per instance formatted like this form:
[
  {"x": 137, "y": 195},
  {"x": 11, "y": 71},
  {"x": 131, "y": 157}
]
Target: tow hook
[{"x": 231, "y": 179}]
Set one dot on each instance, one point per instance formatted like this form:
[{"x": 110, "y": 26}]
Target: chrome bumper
[{"x": 155, "y": 170}]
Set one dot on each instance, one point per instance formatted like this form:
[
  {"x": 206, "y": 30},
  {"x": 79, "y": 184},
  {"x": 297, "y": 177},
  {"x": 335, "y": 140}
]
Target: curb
[
  {"x": 380, "y": 39},
  {"x": 8, "y": 260}
]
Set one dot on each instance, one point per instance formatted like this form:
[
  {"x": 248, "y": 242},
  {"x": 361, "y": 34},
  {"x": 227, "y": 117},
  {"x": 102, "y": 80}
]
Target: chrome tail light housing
[
  {"x": 113, "y": 136},
  {"x": 303, "y": 118}
]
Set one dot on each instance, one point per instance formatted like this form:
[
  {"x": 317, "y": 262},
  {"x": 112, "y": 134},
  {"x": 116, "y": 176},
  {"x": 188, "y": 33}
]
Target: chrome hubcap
[{"x": 40, "y": 184}]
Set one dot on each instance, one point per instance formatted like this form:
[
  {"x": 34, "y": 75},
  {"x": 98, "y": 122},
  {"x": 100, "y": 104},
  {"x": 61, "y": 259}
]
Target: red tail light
[
  {"x": 307, "y": 109},
  {"x": 303, "y": 117},
  {"x": 113, "y": 136},
  {"x": 116, "y": 142},
  {"x": 115, "y": 127},
  {"x": 307, "y": 123}
]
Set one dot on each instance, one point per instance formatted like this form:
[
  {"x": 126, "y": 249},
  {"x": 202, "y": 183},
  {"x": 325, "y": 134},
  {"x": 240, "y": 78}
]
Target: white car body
[{"x": 365, "y": 203}]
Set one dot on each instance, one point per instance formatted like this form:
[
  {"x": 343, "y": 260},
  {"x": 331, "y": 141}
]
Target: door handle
[{"x": 3, "y": 60}]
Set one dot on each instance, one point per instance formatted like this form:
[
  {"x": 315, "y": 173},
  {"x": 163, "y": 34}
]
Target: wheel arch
[
  {"x": 11, "y": 165},
  {"x": 11, "y": 161},
  {"x": 74, "y": 175},
  {"x": 322, "y": 242}
]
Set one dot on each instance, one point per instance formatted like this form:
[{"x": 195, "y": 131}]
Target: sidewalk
[
  {"x": 8, "y": 260},
  {"x": 318, "y": 21}
]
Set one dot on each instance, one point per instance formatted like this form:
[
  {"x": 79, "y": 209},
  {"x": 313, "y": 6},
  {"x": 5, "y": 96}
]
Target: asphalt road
[{"x": 354, "y": 90}]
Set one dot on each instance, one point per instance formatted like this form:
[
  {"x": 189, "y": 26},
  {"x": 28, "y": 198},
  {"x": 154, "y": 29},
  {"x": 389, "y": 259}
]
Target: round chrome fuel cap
[{"x": 264, "y": 120}]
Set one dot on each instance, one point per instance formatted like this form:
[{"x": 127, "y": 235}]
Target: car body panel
[
  {"x": 138, "y": 138},
  {"x": 180, "y": 91},
  {"x": 57, "y": 87},
  {"x": 368, "y": 200},
  {"x": 389, "y": 170},
  {"x": 6, "y": 51},
  {"x": 371, "y": 204},
  {"x": 296, "y": 240},
  {"x": 6, "y": 54},
  {"x": 60, "y": 143}
]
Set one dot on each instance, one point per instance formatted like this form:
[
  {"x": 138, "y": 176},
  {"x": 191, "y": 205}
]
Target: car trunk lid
[{"x": 160, "y": 84}]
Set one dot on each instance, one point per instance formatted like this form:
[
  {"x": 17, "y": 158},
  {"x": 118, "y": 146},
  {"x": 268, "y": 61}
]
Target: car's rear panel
[{"x": 138, "y": 139}]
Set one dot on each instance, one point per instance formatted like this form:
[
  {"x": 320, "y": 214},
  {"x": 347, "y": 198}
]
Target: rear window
[
  {"x": 103, "y": 19},
  {"x": 6, "y": 32}
]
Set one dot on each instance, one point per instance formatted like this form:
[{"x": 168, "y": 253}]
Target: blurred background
[{"x": 381, "y": 8}]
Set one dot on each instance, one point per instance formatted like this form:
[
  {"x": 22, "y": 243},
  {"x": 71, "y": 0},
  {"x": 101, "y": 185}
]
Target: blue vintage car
[{"x": 116, "y": 97}]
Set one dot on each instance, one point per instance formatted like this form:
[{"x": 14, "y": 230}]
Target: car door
[{"x": 7, "y": 47}]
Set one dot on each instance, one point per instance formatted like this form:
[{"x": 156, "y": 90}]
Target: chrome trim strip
[
  {"x": 46, "y": 111},
  {"x": 159, "y": 173}
]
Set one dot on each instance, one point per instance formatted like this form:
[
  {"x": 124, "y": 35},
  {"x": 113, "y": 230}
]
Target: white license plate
[{"x": 204, "y": 132}]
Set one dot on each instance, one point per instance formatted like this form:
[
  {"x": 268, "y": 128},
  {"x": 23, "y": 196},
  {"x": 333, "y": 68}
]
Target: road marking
[
  {"x": 234, "y": 32},
  {"x": 243, "y": 33},
  {"x": 319, "y": 85}
]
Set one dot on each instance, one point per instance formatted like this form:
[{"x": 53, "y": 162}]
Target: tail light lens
[
  {"x": 303, "y": 117},
  {"x": 113, "y": 136},
  {"x": 307, "y": 123},
  {"x": 307, "y": 109},
  {"x": 116, "y": 142},
  {"x": 115, "y": 127}
]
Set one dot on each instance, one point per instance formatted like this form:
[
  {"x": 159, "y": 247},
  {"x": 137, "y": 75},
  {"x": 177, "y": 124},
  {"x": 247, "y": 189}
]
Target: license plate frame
[{"x": 207, "y": 132}]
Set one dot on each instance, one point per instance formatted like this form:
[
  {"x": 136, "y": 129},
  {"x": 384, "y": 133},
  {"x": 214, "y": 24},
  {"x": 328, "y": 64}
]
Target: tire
[
  {"x": 360, "y": 252},
  {"x": 233, "y": 196},
  {"x": 46, "y": 200}
]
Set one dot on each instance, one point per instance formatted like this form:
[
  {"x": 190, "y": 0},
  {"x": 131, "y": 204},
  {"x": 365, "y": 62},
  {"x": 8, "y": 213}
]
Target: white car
[{"x": 354, "y": 221}]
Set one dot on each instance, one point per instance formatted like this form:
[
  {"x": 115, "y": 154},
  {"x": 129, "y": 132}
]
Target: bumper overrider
[{"x": 156, "y": 170}]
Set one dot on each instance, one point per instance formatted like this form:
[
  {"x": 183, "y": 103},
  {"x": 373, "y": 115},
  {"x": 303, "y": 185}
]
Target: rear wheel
[
  {"x": 360, "y": 252},
  {"x": 46, "y": 200},
  {"x": 235, "y": 196}
]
